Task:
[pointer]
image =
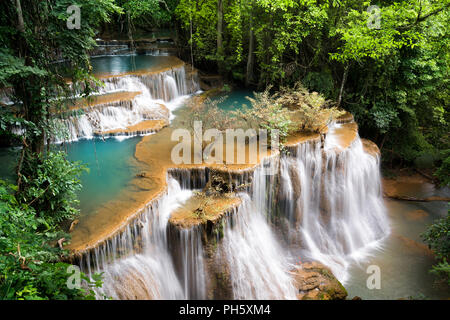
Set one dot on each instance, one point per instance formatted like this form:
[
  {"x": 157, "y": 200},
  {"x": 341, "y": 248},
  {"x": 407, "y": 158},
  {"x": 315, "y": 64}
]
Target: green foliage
[
  {"x": 203, "y": 19},
  {"x": 29, "y": 75},
  {"x": 208, "y": 112},
  {"x": 264, "y": 113},
  {"x": 397, "y": 75},
  {"x": 443, "y": 172},
  {"x": 360, "y": 41},
  {"x": 50, "y": 186},
  {"x": 442, "y": 270},
  {"x": 149, "y": 13},
  {"x": 29, "y": 261},
  {"x": 45, "y": 194},
  {"x": 320, "y": 82},
  {"x": 309, "y": 111},
  {"x": 437, "y": 236},
  {"x": 291, "y": 109}
]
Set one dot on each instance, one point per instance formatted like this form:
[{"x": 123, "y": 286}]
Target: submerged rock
[{"x": 314, "y": 281}]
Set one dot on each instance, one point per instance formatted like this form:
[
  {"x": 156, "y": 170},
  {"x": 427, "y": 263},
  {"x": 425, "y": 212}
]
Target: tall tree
[{"x": 35, "y": 36}]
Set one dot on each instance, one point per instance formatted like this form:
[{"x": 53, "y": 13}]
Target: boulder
[{"x": 314, "y": 281}]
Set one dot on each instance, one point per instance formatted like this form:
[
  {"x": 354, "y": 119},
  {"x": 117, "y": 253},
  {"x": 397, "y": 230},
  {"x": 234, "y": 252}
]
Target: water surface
[
  {"x": 234, "y": 100},
  {"x": 111, "y": 166},
  {"x": 404, "y": 260}
]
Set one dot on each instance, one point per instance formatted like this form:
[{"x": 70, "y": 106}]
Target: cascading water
[
  {"x": 168, "y": 88},
  {"x": 192, "y": 264},
  {"x": 165, "y": 86},
  {"x": 335, "y": 202},
  {"x": 111, "y": 116},
  {"x": 149, "y": 272},
  {"x": 329, "y": 195},
  {"x": 258, "y": 264}
]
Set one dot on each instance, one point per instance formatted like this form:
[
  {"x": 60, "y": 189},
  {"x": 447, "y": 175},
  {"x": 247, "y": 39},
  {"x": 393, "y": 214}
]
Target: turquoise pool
[{"x": 111, "y": 166}]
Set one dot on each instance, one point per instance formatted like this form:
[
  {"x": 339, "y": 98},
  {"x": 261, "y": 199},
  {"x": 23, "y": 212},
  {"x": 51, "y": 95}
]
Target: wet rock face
[
  {"x": 224, "y": 182},
  {"x": 219, "y": 281},
  {"x": 370, "y": 147},
  {"x": 314, "y": 281}
]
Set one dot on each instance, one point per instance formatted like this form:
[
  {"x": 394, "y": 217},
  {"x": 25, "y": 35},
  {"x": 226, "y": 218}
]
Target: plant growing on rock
[
  {"x": 206, "y": 111},
  {"x": 309, "y": 111},
  {"x": 265, "y": 113}
]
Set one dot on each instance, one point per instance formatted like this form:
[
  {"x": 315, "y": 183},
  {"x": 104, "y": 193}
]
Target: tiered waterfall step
[
  {"x": 203, "y": 210},
  {"x": 104, "y": 99},
  {"x": 141, "y": 128}
]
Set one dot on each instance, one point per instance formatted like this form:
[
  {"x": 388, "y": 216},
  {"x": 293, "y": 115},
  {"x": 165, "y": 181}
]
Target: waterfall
[
  {"x": 334, "y": 202},
  {"x": 192, "y": 264},
  {"x": 148, "y": 271},
  {"x": 171, "y": 85},
  {"x": 117, "y": 115},
  {"x": 258, "y": 265},
  {"x": 160, "y": 93},
  {"x": 166, "y": 85},
  {"x": 259, "y": 268},
  {"x": 328, "y": 197}
]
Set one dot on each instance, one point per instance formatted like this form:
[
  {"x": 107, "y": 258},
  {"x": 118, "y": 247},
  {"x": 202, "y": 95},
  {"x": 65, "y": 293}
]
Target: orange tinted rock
[{"x": 315, "y": 281}]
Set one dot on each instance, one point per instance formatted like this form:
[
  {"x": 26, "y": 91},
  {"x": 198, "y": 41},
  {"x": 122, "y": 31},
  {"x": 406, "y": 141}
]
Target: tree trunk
[
  {"x": 249, "y": 78},
  {"x": 21, "y": 24},
  {"x": 130, "y": 31},
  {"x": 220, "y": 51},
  {"x": 192, "y": 52},
  {"x": 344, "y": 79}
]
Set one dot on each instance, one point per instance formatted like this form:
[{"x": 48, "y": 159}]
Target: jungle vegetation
[{"x": 387, "y": 65}]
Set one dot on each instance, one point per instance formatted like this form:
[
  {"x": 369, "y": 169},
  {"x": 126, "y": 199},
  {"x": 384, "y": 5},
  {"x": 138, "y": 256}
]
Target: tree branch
[
  {"x": 423, "y": 18},
  {"x": 165, "y": 4}
]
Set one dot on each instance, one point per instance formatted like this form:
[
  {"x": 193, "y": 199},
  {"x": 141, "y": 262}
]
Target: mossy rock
[{"x": 315, "y": 281}]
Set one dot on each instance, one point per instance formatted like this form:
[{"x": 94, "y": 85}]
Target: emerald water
[
  {"x": 234, "y": 99},
  {"x": 111, "y": 167},
  {"x": 110, "y": 164}
]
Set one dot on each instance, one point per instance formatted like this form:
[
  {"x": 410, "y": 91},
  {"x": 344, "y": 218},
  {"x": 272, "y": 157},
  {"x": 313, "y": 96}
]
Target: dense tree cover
[
  {"x": 34, "y": 36},
  {"x": 30, "y": 259},
  {"x": 154, "y": 13},
  {"x": 393, "y": 76},
  {"x": 139, "y": 18}
]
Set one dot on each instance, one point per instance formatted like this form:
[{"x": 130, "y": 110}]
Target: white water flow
[
  {"x": 164, "y": 86},
  {"x": 258, "y": 264},
  {"x": 335, "y": 202},
  {"x": 193, "y": 267},
  {"x": 168, "y": 89},
  {"x": 149, "y": 273}
]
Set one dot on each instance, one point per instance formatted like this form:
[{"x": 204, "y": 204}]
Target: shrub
[
  {"x": 309, "y": 110},
  {"x": 30, "y": 267},
  {"x": 265, "y": 113},
  {"x": 443, "y": 172},
  {"x": 437, "y": 237},
  {"x": 50, "y": 185}
]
